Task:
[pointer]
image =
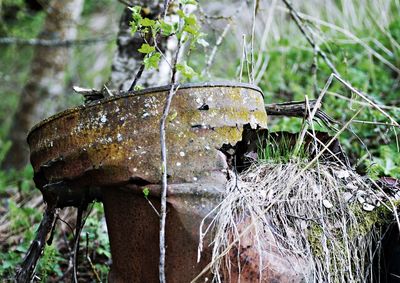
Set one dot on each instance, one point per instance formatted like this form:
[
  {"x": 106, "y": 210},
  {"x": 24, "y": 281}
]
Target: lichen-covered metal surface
[{"x": 116, "y": 141}]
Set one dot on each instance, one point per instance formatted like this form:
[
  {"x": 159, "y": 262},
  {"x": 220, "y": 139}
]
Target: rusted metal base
[
  {"x": 134, "y": 236},
  {"x": 245, "y": 260}
]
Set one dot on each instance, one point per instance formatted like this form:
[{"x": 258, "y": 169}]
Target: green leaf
[
  {"x": 188, "y": 2},
  {"x": 136, "y": 18},
  {"x": 191, "y": 20},
  {"x": 146, "y": 192},
  {"x": 166, "y": 28},
  {"x": 186, "y": 71},
  {"x": 191, "y": 26},
  {"x": 138, "y": 87},
  {"x": 136, "y": 14},
  {"x": 190, "y": 29},
  {"x": 146, "y": 22},
  {"x": 146, "y": 48},
  {"x": 135, "y": 10},
  {"x": 151, "y": 61},
  {"x": 181, "y": 14},
  {"x": 134, "y": 27}
]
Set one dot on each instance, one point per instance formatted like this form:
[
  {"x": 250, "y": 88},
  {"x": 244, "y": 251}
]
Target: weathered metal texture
[
  {"x": 116, "y": 141},
  {"x": 114, "y": 144},
  {"x": 134, "y": 236}
]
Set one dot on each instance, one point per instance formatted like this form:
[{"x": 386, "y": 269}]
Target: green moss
[
  {"x": 367, "y": 220},
  {"x": 315, "y": 239}
]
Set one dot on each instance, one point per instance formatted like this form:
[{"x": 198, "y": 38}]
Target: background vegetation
[{"x": 362, "y": 38}]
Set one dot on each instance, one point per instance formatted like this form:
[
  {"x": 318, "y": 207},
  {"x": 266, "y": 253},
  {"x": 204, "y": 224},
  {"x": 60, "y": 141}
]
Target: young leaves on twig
[{"x": 186, "y": 29}]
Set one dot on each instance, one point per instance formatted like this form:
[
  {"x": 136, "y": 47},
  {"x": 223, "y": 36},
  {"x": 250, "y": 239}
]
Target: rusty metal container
[{"x": 110, "y": 151}]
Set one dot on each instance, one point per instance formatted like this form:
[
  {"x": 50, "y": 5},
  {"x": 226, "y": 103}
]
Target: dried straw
[{"x": 318, "y": 220}]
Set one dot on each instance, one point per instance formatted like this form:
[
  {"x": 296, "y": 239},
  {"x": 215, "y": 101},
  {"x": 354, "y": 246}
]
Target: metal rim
[{"x": 143, "y": 92}]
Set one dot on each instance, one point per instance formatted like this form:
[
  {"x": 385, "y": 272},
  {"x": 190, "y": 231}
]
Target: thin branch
[
  {"x": 96, "y": 274},
  {"x": 394, "y": 108},
  {"x": 348, "y": 34},
  {"x": 28, "y": 266},
  {"x": 363, "y": 96},
  {"x": 253, "y": 30},
  {"x": 165, "y": 9},
  {"x": 78, "y": 228},
  {"x": 164, "y": 187},
  {"x": 53, "y": 42},
  {"x": 264, "y": 38},
  {"x": 216, "y": 46},
  {"x": 345, "y": 126},
  {"x": 137, "y": 77},
  {"x": 305, "y": 30},
  {"x": 376, "y": 123},
  {"x": 243, "y": 58}
]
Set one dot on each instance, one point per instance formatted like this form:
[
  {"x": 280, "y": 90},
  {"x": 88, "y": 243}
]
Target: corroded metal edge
[{"x": 143, "y": 92}]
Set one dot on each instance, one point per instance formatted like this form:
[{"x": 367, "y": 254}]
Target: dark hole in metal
[
  {"x": 139, "y": 181},
  {"x": 204, "y": 107}
]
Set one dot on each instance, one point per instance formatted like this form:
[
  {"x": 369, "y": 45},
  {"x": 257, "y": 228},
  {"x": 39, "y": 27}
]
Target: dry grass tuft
[{"x": 319, "y": 219}]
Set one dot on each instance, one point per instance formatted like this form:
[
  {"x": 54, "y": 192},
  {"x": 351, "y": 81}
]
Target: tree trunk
[
  {"x": 42, "y": 94},
  {"x": 127, "y": 59}
]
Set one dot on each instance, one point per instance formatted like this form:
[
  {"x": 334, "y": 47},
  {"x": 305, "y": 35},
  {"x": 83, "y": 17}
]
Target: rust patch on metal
[
  {"x": 116, "y": 141},
  {"x": 246, "y": 259}
]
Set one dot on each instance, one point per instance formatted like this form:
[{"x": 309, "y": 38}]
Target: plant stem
[
  {"x": 28, "y": 266},
  {"x": 137, "y": 77},
  {"x": 164, "y": 180}
]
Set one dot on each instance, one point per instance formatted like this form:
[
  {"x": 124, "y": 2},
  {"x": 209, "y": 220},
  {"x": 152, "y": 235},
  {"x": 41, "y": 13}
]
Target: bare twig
[
  {"x": 137, "y": 77},
  {"x": 253, "y": 29},
  {"x": 216, "y": 46},
  {"x": 164, "y": 180},
  {"x": 28, "y": 266},
  {"x": 78, "y": 229},
  {"x": 394, "y": 108},
  {"x": 305, "y": 30},
  {"x": 298, "y": 109},
  {"x": 349, "y": 35},
  {"x": 153, "y": 207},
  {"x": 54, "y": 42},
  {"x": 164, "y": 167},
  {"x": 363, "y": 96},
  {"x": 375, "y": 123},
  {"x": 243, "y": 58},
  {"x": 96, "y": 274},
  {"x": 331, "y": 141},
  {"x": 264, "y": 38}
]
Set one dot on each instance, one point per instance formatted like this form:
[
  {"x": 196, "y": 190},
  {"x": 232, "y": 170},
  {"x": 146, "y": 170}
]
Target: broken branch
[{"x": 28, "y": 266}]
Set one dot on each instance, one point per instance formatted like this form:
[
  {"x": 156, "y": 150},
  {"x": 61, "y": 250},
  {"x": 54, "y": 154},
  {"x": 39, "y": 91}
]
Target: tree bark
[
  {"x": 43, "y": 93},
  {"x": 127, "y": 60}
]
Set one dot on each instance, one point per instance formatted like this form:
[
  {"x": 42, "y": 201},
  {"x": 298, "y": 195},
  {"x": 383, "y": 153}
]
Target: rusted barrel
[{"x": 110, "y": 150}]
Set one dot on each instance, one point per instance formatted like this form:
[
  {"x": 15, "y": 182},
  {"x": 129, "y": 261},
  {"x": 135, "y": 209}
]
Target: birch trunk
[
  {"x": 44, "y": 90},
  {"x": 127, "y": 59}
]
